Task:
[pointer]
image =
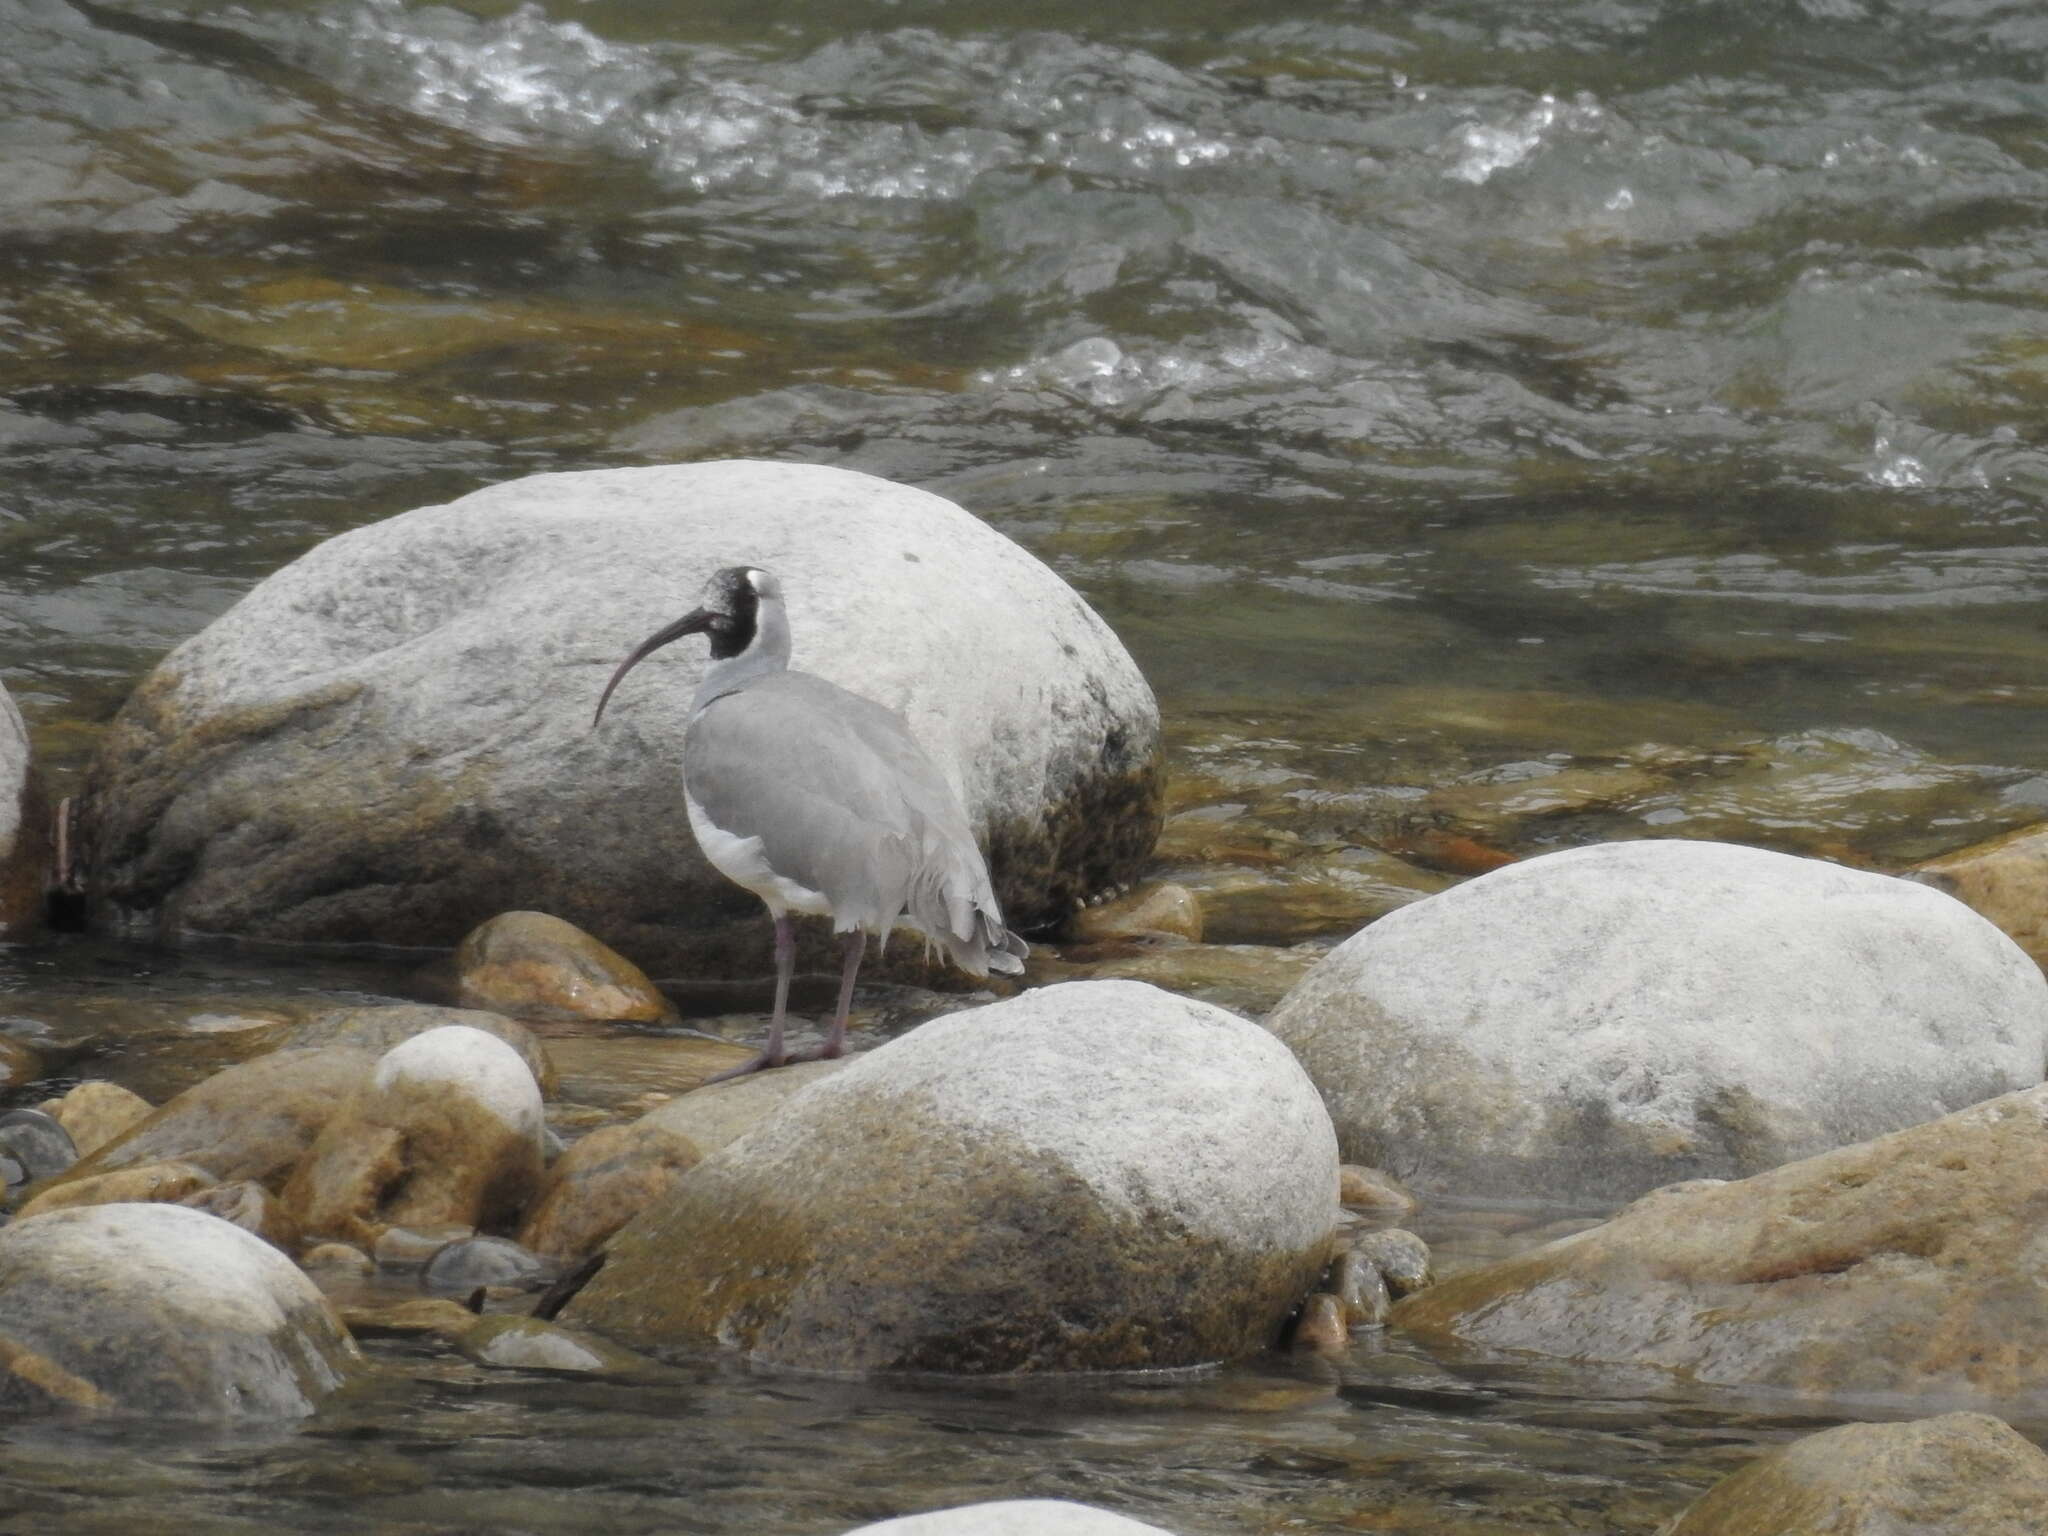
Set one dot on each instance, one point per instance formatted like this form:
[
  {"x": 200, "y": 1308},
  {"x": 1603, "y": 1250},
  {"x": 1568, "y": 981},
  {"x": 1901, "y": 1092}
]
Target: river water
[{"x": 1443, "y": 394}]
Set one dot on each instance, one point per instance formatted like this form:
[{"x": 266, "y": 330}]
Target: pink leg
[
  {"x": 856, "y": 944},
  {"x": 772, "y": 1054}
]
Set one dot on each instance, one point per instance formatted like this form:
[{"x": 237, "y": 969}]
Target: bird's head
[{"x": 730, "y": 615}]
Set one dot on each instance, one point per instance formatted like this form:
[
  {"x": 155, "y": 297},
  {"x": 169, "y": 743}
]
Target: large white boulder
[
  {"x": 1595, "y": 1023},
  {"x": 1094, "y": 1176},
  {"x": 1014, "y": 1517},
  {"x": 160, "y": 1309},
  {"x": 390, "y": 740}
]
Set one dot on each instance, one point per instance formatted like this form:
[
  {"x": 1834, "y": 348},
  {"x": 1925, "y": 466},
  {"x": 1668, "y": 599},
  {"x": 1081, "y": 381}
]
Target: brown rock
[
  {"x": 612, "y": 1068},
  {"x": 1161, "y": 908},
  {"x": 1246, "y": 978},
  {"x": 378, "y": 1028},
  {"x": 602, "y": 1182},
  {"x": 252, "y": 1121},
  {"x": 1907, "y": 1263},
  {"x": 2005, "y": 880},
  {"x": 1957, "y": 1474},
  {"x": 337, "y": 1261},
  {"x": 1368, "y": 1189},
  {"x": 447, "y": 1131},
  {"x": 164, "y": 1183},
  {"x": 19, "y": 1063},
  {"x": 1323, "y": 1328},
  {"x": 533, "y": 966},
  {"x": 408, "y": 1319},
  {"x": 1359, "y": 1284},
  {"x": 96, "y": 1112}
]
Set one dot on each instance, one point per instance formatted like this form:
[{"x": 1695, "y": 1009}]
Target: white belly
[{"x": 740, "y": 860}]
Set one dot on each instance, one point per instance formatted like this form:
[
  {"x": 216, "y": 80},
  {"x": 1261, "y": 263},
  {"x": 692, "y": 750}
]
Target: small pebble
[
  {"x": 488, "y": 1261},
  {"x": 1362, "y": 1288},
  {"x": 1322, "y": 1329},
  {"x": 338, "y": 1260},
  {"x": 1402, "y": 1257},
  {"x": 37, "y": 1142},
  {"x": 1369, "y": 1189},
  {"x": 409, "y": 1248}
]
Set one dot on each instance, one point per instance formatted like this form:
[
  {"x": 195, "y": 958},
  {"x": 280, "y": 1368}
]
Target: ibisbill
[{"x": 821, "y": 803}]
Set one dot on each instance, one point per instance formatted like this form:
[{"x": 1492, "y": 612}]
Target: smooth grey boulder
[
  {"x": 24, "y": 844},
  {"x": 1096, "y": 1176},
  {"x": 1595, "y": 1023},
  {"x": 1013, "y": 1517},
  {"x": 162, "y": 1310},
  {"x": 390, "y": 740}
]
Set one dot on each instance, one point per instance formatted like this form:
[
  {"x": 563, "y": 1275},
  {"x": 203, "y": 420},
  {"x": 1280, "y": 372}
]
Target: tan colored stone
[
  {"x": 447, "y": 1131},
  {"x": 1962, "y": 1473},
  {"x": 337, "y": 1261},
  {"x": 534, "y": 966},
  {"x": 408, "y": 1319},
  {"x": 19, "y": 1063},
  {"x": 611, "y": 1069},
  {"x": 251, "y": 1121},
  {"x": 1368, "y": 1189},
  {"x": 1323, "y": 1328},
  {"x": 2004, "y": 880},
  {"x": 1246, "y": 978},
  {"x": 164, "y": 1183},
  {"x": 1160, "y": 908},
  {"x": 601, "y": 1183},
  {"x": 95, "y": 1112},
  {"x": 1904, "y": 1264}
]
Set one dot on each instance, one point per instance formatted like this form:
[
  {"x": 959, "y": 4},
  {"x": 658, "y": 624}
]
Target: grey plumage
[
  {"x": 820, "y": 801},
  {"x": 847, "y": 804}
]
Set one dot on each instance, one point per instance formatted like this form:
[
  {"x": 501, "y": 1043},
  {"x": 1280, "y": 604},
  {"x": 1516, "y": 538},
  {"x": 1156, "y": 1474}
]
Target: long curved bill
[{"x": 694, "y": 622}]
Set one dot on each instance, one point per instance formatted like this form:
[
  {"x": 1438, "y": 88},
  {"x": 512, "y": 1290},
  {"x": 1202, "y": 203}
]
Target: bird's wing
[{"x": 800, "y": 768}]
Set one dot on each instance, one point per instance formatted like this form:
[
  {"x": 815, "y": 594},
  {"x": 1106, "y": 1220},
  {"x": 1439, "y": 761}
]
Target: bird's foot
[{"x": 760, "y": 1063}]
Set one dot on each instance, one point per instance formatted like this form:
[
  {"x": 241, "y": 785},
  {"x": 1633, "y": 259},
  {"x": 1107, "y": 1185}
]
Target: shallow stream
[{"x": 1633, "y": 400}]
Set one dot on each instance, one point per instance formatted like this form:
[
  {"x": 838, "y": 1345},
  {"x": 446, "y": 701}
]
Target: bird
[{"x": 821, "y": 803}]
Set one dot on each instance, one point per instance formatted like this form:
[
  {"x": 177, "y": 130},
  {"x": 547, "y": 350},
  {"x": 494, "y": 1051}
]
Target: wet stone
[
  {"x": 424, "y": 1315},
  {"x": 95, "y": 1112},
  {"x": 1323, "y": 1327},
  {"x": 714, "y": 1116},
  {"x": 469, "y": 1262},
  {"x": 337, "y": 1261},
  {"x": 377, "y": 1028},
  {"x": 1402, "y": 1257},
  {"x": 1368, "y": 1189},
  {"x": 1156, "y": 909},
  {"x": 20, "y": 1063},
  {"x": 168, "y": 1183},
  {"x": 251, "y": 1207},
  {"x": 1359, "y": 1284},
  {"x": 1014, "y": 1517},
  {"x": 37, "y": 1142},
  {"x": 534, "y": 966},
  {"x": 2004, "y": 880},
  {"x": 529, "y": 1344},
  {"x": 403, "y": 1248},
  {"x": 606, "y": 1179}
]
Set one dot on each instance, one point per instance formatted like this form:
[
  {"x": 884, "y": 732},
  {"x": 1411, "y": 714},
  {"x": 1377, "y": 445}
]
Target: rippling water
[{"x": 1433, "y": 394}]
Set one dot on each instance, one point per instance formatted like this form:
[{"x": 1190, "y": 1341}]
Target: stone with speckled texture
[
  {"x": 1595, "y": 1023},
  {"x": 161, "y": 1310},
  {"x": 391, "y": 736},
  {"x": 1088, "y": 1177}
]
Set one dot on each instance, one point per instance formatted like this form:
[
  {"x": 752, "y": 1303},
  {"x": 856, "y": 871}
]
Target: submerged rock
[
  {"x": 533, "y": 966},
  {"x": 1087, "y": 1177},
  {"x": 1595, "y": 1023},
  {"x": 1154, "y": 909},
  {"x": 447, "y": 1131},
  {"x": 1962, "y": 1474},
  {"x": 720, "y": 1113},
  {"x": 161, "y": 1310},
  {"x": 529, "y": 1344},
  {"x": 1905, "y": 1264},
  {"x": 36, "y": 1142},
  {"x": 391, "y": 733},
  {"x": 473, "y": 1261}
]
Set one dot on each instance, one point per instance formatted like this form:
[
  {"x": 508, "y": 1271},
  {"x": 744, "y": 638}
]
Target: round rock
[
  {"x": 1088, "y": 1177},
  {"x": 389, "y": 734},
  {"x": 535, "y": 966},
  {"x": 447, "y": 1131},
  {"x": 161, "y": 1310},
  {"x": 1014, "y": 1517},
  {"x": 1595, "y": 1023}
]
